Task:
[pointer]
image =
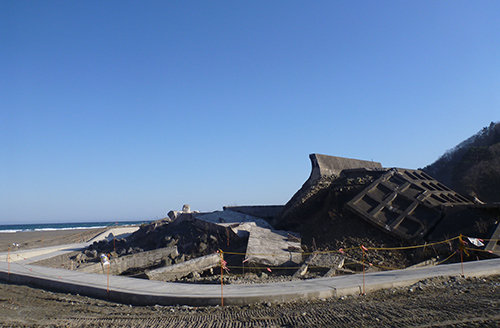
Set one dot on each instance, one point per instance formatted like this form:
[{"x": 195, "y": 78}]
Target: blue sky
[{"x": 124, "y": 110}]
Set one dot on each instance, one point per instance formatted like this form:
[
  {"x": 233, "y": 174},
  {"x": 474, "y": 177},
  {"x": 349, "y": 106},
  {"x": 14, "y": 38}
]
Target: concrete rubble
[
  {"x": 266, "y": 246},
  {"x": 252, "y": 237},
  {"x": 407, "y": 205},
  {"x": 333, "y": 262}
]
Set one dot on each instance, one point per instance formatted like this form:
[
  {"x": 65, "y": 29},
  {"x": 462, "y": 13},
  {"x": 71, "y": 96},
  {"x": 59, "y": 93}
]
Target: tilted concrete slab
[
  {"x": 406, "y": 203},
  {"x": 324, "y": 169},
  {"x": 228, "y": 218},
  {"x": 273, "y": 247},
  {"x": 208, "y": 224},
  {"x": 116, "y": 233},
  {"x": 145, "y": 292},
  {"x": 266, "y": 246}
]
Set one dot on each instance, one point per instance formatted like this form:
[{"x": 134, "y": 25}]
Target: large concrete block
[
  {"x": 273, "y": 247},
  {"x": 266, "y": 246},
  {"x": 239, "y": 223},
  {"x": 406, "y": 203}
]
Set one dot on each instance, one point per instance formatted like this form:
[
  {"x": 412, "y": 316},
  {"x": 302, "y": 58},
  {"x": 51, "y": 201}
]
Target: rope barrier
[
  {"x": 478, "y": 250},
  {"x": 446, "y": 259},
  {"x": 342, "y": 250},
  {"x": 412, "y": 247}
]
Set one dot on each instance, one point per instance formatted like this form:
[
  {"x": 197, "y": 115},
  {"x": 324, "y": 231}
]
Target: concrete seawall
[{"x": 324, "y": 165}]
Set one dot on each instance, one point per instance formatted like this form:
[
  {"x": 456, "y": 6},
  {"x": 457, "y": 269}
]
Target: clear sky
[{"x": 124, "y": 110}]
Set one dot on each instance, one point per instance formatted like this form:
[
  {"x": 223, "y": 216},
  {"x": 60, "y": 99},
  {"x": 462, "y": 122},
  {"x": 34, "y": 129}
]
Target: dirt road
[{"x": 437, "y": 302}]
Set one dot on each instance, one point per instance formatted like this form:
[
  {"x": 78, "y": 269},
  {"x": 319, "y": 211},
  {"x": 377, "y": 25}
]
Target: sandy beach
[{"x": 34, "y": 239}]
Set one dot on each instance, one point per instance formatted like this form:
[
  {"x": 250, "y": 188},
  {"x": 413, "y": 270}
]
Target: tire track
[{"x": 472, "y": 303}]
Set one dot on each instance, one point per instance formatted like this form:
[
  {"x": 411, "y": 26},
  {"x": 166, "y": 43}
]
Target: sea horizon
[{"x": 13, "y": 228}]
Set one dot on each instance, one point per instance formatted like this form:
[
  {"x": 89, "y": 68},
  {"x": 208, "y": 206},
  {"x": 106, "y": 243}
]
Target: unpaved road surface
[{"x": 436, "y": 302}]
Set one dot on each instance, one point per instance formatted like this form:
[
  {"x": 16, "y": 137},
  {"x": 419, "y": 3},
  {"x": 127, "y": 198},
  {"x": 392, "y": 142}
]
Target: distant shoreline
[{"x": 72, "y": 226}]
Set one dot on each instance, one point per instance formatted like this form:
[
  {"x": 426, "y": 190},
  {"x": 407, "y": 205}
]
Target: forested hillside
[{"x": 472, "y": 168}]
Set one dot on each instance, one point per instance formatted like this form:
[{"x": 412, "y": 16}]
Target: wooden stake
[
  {"x": 8, "y": 261},
  {"x": 221, "y": 286},
  {"x": 363, "y": 250},
  {"x": 461, "y": 247},
  {"x": 221, "y": 277},
  {"x": 107, "y": 289}
]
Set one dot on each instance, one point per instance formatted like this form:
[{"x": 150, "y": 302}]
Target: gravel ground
[{"x": 436, "y": 302}]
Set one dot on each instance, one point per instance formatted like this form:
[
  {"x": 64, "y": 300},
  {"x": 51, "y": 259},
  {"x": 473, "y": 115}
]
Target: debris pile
[{"x": 344, "y": 205}]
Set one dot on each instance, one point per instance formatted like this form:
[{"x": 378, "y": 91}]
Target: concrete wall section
[
  {"x": 324, "y": 169},
  {"x": 324, "y": 165}
]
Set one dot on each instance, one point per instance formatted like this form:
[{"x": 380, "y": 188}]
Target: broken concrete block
[
  {"x": 134, "y": 261},
  {"x": 183, "y": 269},
  {"x": 271, "y": 248},
  {"x": 240, "y": 223},
  {"x": 322, "y": 260},
  {"x": 326, "y": 260}
]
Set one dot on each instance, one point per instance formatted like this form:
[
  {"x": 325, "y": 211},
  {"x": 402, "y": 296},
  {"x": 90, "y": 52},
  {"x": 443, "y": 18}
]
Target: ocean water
[{"x": 11, "y": 228}]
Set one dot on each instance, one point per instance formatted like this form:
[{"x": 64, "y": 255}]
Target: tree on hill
[{"x": 472, "y": 168}]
